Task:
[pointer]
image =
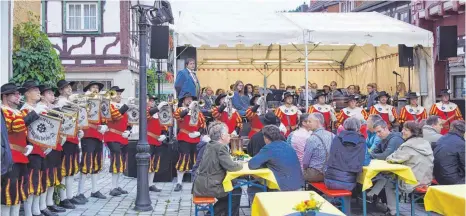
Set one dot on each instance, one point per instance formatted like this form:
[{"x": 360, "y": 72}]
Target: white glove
[
  {"x": 80, "y": 134},
  {"x": 126, "y": 134},
  {"x": 234, "y": 134},
  {"x": 47, "y": 151},
  {"x": 192, "y": 105},
  {"x": 28, "y": 149},
  {"x": 63, "y": 140},
  {"x": 162, "y": 104},
  {"x": 40, "y": 109},
  {"x": 162, "y": 138},
  {"x": 155, "y": 116},
  {"x": 102, "y": 129},
  {"x": 282, "y": 128},
  {"x": 205, "y": 138},
  {"x": 131, "y": 100},
  {"x": 194, "y": 134}
]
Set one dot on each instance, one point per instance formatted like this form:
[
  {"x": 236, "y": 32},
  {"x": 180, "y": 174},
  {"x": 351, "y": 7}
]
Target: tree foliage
[{"x": 34, "y": 58}]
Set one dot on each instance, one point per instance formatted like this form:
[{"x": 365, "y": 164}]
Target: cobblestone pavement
[{"x": 170, "y": 203}]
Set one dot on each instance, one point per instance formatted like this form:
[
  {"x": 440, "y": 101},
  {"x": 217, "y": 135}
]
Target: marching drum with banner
[
  {"x": 166, "y": 116},
  {"x": 133, "y": 114},
  {"x": 45, "y": 131},
  {"x": 94, "y": 110},
  {"x": 70, "y": 123},
  {"x": 105, "y": 109}
]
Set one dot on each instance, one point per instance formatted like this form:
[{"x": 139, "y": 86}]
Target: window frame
[{"x": 66, "y": 24}]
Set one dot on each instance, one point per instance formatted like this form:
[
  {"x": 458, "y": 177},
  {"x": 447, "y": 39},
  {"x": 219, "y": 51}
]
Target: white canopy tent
[{"x": 316, "y": 36}]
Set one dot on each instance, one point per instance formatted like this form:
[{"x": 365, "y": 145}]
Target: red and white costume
[
  {"x": 327, "y": 111},
  {"x": 288, "y": 117},
  {"x": 256, "y": 124},
  {"x": 446, "y": 111},
  {"x": 387, "y": 112},
  {"x": 233, "y": 122},
  {"x": 411, "y": 113},
  {"x": 347, "y": 112}
]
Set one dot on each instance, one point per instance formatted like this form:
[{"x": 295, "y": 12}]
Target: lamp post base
[{"x": 143, "y": 202}]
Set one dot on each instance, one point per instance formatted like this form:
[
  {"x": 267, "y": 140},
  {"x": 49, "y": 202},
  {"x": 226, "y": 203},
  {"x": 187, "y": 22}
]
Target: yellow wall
[{"x": 21, "y": 9}]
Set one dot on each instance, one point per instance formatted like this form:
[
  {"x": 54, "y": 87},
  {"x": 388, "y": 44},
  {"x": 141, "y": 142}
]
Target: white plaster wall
[
  {"x": 5, "y": 52},
  {"x": 101, "y": 42},
  {"x": 84, "y": 50},
  {"x": 112, "y": 16},
  {"x": 124, "y": 79},
  {"x": 54, "y": 17},
  {"x": 114, "y": 50}
]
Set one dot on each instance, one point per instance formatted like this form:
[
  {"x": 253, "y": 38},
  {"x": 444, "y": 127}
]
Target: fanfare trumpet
[
  {"x": 230, "y": 94},
  {"x": 201, "y": 103},
  {"x": 173, "y": 102}
]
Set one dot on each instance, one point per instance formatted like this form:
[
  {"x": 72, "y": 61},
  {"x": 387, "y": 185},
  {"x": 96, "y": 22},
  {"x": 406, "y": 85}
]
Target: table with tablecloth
[
  {"x": 282, "y": 203},
  {"x": 446, "y": 199},
  {"x": 264, "y": 173},
  {"x": 401, "y": 172}
]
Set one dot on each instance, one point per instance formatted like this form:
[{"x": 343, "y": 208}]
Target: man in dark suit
[{"x": 186, "y": 80}]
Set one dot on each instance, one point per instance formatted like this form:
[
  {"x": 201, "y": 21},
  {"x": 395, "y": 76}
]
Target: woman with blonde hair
[
  {"x": 240, "y": 101},
  {"x": 208, "y": 97},
  {"x": 400, "y": 90}
]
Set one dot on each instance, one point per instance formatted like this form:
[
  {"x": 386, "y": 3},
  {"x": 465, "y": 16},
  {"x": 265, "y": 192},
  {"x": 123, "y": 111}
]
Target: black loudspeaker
[
  {"x": 447, "y": 42},
  {"x": 186, "y": 52},
  {"x": 405, "y": 56},
  {"x": 159, "y": 42}
]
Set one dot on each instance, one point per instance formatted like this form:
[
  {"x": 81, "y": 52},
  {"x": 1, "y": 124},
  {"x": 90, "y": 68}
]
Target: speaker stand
[{"x": 409, "y": 79}]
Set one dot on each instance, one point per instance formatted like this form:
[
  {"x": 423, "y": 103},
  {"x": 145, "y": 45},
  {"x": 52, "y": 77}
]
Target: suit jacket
[{"x": 184, "y": 83}]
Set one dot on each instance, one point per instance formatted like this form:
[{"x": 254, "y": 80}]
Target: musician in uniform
[
  {"x": 92, "y": 147},
  {"x": 117, "y": 139},
  {"x": 14, "y": 183},
  {"x": 288, "y": 113},
  {"x": 253, "y": 113},
  {"x": 70, "y": 154},
  {"x": 446, "y": 110},
  {"x": 51, "y": 172},
  {"x": 326, "y": 110},
  {"x": 224, "y": 112},
  {"x": 412, "y": 111},
  {"x": 31, "y": 92},
  {"x": 387, "y": 112},
  {"x": 191, "y": 122},
  {"x": 351, "y": 111},
  {"x": 155, "y": 139}
]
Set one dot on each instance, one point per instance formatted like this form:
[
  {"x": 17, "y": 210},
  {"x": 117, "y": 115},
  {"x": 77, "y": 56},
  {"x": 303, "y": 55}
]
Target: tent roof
[{"x": 231, "y": 28}]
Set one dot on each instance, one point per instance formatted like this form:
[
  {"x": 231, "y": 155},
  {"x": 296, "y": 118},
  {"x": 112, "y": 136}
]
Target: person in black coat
[
  {"x": 449, "y": 156},
  {"x": 7, "y": 158},
  {"x": 257, "y": 140}
]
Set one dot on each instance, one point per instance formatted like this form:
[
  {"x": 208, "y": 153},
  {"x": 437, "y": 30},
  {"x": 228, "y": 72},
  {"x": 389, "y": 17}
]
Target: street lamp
[{"x": 143, "y": 202}]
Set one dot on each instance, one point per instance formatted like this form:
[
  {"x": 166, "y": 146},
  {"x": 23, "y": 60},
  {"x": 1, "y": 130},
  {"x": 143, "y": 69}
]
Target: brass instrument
[
  {"x": 230, "y": 94},
  {"x": 110, "y": 94},
  {"x": 173, "y": 102},
  {"x": 201, "y": 103}
]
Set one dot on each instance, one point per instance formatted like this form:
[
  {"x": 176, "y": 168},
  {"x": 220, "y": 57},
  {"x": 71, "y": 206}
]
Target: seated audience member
[
  {"x": 219, "y": 92},
  {"x": 372, "y": 139},
  {"x": 449, "y": 156},
  {"x": 212, "y": 170},
  {"x": 431, "y": 130},
  {"x": 346, "y": 157},
  {"x": 317, "y": 148},
  {"x": 298, "y": 137},
  {"x": 240, "y": 101},
  {"x": 415, "y": 153},
  {"x": 257, "y": 140},
  {"x": 209, "y": 98},
  {"x": 280, "y": 158},
  {"x": 273, "y": 87},
  {"x": 389, "y": 143}
]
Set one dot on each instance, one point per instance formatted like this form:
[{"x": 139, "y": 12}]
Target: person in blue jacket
[
  {"x": 240, "y": 101},
  {"x": 186, "y": 80}
]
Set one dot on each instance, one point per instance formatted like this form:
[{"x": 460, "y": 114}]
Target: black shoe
[
  {"x": 47, "y": 212},
  {"x": 115, "y": 192},
  {"x": 77, "y": 201},
  {"x": 153, "y": 188},
  {"x": 372, "y": 199},
  {"x": 178, "y": 187},
  {"x": 67, "y": 204},
  {"x": 55, "y": 208},
  {"x": 98, "y": 195},
  {"x": 122, "y": 191},
  {"x": 82, "y": 197}
]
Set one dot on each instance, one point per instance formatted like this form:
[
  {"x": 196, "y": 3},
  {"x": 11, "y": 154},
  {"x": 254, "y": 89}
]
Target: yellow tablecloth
[
  {"x": 446, "y": 199},
  {"x": 376, "y": 166},
  {"x": 264, "y": 173},
  {"x": 282, "y": 203}
]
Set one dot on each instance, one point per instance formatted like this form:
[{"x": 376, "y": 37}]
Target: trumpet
[
  {"x": 110, "y": 94},
  {"x": 173, "y": 102},
  {"x": 59, "y": 114},
  {"x": 201, "y": 103},
  {"x": 230, "y": 94}
]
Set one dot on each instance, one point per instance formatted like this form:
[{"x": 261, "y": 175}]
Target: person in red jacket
[
  {"x": 446, "y": 110},
  {"x": 233, "y": 119},
  {"x": 412, "y": 111},
  {"x": 70, "y": 156},
  {"x": 351, "y": 111},
  {"x": 30, "y": 90},
  {"x": 14, "y": 183},
  {"x": 92, "y": 147},
  {"x": 116, "y": 138},
  {"x": 325, "y": 109},
  {"x": 190, "y": 122},
  {"x": 288, "y": 113},
  {"x": 51, "y": 172},
  {"x": 253, "y": 113},
  {"x": 387, "y": 112},
  {"x": 155, "y": 137}
]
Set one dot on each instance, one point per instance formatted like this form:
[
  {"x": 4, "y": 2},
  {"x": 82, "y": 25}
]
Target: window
[
  {"x": 459, "y": 90},
  {"x": 79, "y": 85},
  {"x": 82, "y": 17},
  {"x": 347, "y": 6}
]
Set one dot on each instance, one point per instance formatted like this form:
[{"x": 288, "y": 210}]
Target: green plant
[
  {"x": 56, "y": 193},
  {"x": 34, "y": 58}
]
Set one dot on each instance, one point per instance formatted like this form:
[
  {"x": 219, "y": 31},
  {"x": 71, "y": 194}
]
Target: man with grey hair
[
  {"x": 449, "y": 155},
  {"x": 316, "y": 149},
  {"x": 431, "y": 130},
  {"x": 390, "y": 141},
  {"x": 212, "y": 170},
  {"x": 372, "y": 139}
]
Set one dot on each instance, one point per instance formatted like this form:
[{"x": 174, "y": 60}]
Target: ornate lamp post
[{"x": 143, "y": 202}]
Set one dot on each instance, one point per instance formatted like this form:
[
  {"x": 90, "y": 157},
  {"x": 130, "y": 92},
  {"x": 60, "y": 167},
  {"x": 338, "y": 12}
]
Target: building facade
[{"x": 96, "y": 40}]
